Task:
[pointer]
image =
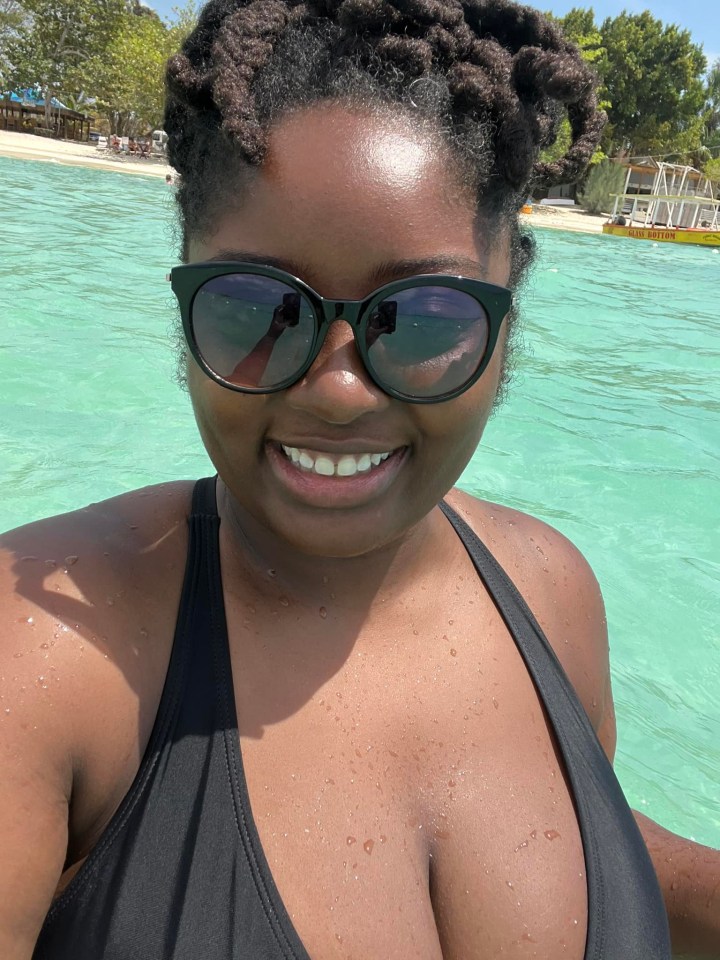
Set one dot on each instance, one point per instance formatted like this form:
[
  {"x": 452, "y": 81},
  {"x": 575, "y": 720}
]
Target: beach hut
[{"x": 24, "y": 112}]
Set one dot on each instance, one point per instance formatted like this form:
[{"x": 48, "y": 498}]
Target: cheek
[
  {"x": 459, "y": 424},
  {"x": 229, "y": 422}
]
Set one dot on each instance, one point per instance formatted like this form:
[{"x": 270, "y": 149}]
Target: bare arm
[
  {"x": 689, "y": 876},
  {"x": 35, "y": 782}
]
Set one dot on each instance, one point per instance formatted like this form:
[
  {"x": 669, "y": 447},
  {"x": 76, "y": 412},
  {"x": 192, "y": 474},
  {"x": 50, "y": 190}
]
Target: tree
[
  {"x": 11, "y": 20},
  {"x": 712, "y": 108},
  {"x": 49, "y": 49},
  {"x": 606, "y": 178},
  {"x": 128, "y": 80},
  {"x": 712, "y": 170},
  {"x": 579, "y": 27},
  {"x": 654, "y": 85}
]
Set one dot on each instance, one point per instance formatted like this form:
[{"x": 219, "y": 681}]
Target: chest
[{"x": 407, "y": 790}]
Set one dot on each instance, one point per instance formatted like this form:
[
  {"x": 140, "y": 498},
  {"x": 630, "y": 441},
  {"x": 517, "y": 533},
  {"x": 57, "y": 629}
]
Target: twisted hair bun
[{"x": 501, "y": 66}]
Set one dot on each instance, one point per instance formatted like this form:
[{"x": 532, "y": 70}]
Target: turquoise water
[{"x": 611, "y": 431}]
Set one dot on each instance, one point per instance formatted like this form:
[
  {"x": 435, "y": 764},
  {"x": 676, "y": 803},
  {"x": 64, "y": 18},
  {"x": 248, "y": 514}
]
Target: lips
[{"x": 341, "y": 479}]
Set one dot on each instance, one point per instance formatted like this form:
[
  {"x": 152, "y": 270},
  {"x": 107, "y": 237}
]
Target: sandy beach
[
  {"x": 565, "y": 218},
  {"x": 26, "y": 146}
]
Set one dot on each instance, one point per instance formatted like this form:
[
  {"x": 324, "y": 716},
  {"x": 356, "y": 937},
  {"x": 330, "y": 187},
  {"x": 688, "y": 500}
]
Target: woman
[{"x": 301, "y": 711}]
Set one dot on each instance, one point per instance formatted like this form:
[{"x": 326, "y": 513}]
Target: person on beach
[{"x": 325, "y": 704}]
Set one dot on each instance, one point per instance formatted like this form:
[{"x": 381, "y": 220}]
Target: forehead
[{"x": 340, "y": 189}]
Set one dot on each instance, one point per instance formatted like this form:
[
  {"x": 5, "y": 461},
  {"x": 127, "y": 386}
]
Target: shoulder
[
  {"x": 75, "y": 590},
  {"x": 561, "y": 590}
]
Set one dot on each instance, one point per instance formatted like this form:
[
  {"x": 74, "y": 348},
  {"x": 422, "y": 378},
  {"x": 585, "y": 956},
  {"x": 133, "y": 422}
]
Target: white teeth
[
  {"x": 324, "y": 466},
  {"x": 346, "y": 466}
]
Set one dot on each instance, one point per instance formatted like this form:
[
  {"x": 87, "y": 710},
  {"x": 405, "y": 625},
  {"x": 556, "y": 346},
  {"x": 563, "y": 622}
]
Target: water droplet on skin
[
  {"x": 383, "y": 838},
  {"x": 552, "y": 835},
  {"x": 16, "y": 656},
  {"x": 453, "y": 652},
  {"x": 284, "y": 602},
  {"x": 7, "y": 709},
  {"x": 272, "y": 573},
  {"x": 368, "y": 846},
  {"x": 451, "y": 622},
  {"x": 338, "y": 938},
  {"x": 323, "y": 612},
  {"x": 28, "y": 559},
  {"x": 110, "y": 602},
  {"x": 71, "y": 560},
  {"x": 350, "y": 841},
  {"x": 50, "y": 563}
]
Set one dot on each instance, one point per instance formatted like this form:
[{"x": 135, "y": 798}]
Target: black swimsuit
[{"x": 179, "y": 873}]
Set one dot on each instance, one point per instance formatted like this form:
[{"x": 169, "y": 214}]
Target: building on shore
[{"x": 25, "y": 113}]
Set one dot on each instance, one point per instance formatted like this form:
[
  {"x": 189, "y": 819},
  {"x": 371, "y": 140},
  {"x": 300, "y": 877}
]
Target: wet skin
[{"x": 405, "y": 785}]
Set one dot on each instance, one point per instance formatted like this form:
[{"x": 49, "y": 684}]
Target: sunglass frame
[{"x": 187, "y": 280}]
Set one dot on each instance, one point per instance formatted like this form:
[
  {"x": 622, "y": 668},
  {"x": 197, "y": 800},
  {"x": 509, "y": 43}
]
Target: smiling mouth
[{"x": 330, "y": 465}]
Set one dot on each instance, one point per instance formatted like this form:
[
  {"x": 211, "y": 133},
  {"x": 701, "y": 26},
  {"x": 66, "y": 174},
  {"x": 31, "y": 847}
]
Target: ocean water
[{"x": 611, "y": 430}]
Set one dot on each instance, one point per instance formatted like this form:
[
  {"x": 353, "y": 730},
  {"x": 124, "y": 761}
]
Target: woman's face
[{"x": 347, "y": 202}]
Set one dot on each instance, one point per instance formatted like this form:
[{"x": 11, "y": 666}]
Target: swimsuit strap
[{"x": 626, "y": 914}]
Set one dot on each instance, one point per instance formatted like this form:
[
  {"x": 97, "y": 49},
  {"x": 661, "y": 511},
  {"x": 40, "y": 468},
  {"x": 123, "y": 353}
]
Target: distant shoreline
[{"x": 27, "y": 146}]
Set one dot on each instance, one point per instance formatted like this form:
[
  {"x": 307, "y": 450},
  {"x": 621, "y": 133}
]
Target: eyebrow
[{"x": 381, "y": 273}]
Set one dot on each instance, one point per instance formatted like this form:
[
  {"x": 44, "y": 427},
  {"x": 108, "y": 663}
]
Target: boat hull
[{"x": 702, "y": 238}]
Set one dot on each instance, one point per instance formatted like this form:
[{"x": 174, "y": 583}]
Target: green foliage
[
  {"x": 712, "y": 170},
  {"x": 712, "y": 106},
  {"x": 11, "y": 20},
  {"x": 101, "y": 55},
  {"x": 605, "y": 179},
  {"x": 579, "y": 26},
  {"x": 654, "y": 84},
  {"x": 128, "y": 80},
  {"x": 54, "y": 41}
]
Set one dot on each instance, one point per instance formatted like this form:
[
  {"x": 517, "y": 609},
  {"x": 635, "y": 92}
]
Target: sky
[{"x": 700, "y": 17}]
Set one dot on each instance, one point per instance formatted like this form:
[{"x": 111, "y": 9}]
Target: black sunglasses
[{"x": 257, "y": 329}]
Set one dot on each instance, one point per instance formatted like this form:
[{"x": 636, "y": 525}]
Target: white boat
[{"x": 667, "y": 203}]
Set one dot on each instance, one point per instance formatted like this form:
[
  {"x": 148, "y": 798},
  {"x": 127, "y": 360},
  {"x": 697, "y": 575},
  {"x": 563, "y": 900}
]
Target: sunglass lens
[
  {"x": 427, "y": 341},
  {"x": 252, "y": 330}
]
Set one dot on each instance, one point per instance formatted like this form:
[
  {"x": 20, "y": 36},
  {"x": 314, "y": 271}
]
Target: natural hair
[{"x": 493, "y": 78}]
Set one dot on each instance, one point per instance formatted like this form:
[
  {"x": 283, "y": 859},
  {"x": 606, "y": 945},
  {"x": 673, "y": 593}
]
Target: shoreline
[{"x": 27, "y": 146}]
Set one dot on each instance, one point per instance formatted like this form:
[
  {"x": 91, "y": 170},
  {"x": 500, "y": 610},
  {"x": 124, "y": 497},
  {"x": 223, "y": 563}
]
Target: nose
[{"x": 337, "y": 388}]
